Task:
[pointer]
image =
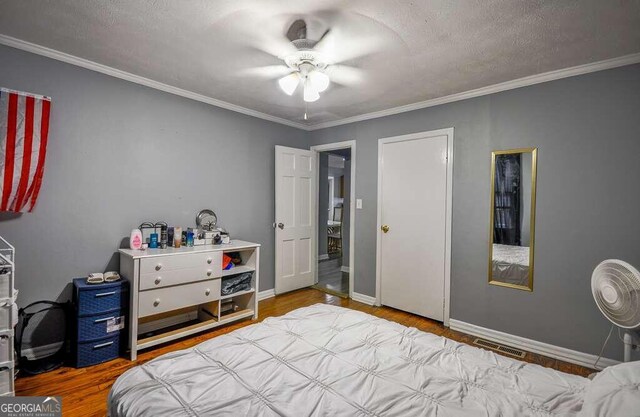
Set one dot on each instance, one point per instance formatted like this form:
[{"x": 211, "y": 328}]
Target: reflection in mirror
[{"x": 513, "y": 195}]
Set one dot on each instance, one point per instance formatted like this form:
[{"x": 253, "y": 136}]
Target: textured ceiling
[{"x": 407, "y": 51}]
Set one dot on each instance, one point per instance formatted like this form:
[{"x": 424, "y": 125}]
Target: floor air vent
[{"x": 499, "y": 348}]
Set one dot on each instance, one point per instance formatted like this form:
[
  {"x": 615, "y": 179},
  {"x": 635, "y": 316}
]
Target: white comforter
[
  {"x": 510, "y": 264},
  {"x": 330, "y": 361}
]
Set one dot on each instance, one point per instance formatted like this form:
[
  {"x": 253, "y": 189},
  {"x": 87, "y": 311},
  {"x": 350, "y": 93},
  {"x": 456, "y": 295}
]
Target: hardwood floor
[
  {"x": 84, "y": 391},
  {"x": 331, "y": 277}
]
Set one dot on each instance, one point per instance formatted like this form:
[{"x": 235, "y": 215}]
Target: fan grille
[{"x": 616, "y": 289}]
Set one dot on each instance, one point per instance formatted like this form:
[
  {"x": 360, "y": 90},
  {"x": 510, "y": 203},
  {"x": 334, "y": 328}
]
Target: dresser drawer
[
  {"x": 6, "y": 375},
  {"x": 99, "y": 351},
  {"x": 177, "y": 277},
  {"x": 6, "y": 346},
  {"x": 166, "y": 299},
  {"x": 204, "y": 260},
  {"x": 97, "y": 327},
  {"x": 5, "y": 290},
  {"x": 5, "y": 313},
  {"x": 101, "y": 300}
]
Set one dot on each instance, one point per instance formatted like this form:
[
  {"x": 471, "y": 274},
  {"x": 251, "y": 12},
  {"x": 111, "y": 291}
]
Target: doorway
[
  {"x": 414, "y": 223},
  {"x": 335, "y": 218}
]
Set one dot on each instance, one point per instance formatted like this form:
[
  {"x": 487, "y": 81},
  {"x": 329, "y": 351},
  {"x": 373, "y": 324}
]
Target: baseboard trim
[
  {"x": 552, "y": 351},
  {"x": 263, "y": 295},
  {"x": 323, "y": 257},
  {"x": 345, "y": 269},
  {"x": 366, "y": 299}
]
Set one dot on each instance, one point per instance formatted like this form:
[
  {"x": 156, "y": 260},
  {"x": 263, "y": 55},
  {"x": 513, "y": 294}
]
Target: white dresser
[{"x": 175, "y": 292}]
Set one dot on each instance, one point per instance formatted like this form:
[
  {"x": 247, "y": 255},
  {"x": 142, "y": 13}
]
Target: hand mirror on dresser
[{"x": 512, "y": 221}]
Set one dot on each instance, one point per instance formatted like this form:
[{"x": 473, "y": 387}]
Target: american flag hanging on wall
[{"x": 24, "y": 127}]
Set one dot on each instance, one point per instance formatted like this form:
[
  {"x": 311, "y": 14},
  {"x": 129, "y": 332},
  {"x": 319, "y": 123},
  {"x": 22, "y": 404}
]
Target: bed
[
  {"x": 324, "y": 360},
  {"x": 510, "y": 264}
]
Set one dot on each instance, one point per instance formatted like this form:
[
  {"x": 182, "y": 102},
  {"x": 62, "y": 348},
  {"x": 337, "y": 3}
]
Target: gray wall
[
  {"x": 108, "y": 137},
  {"x": 336, "y": 173},
  {"x": 323, "y": 202},
  {"x": 120, "y": 153},
  {"x": 586, "y": 129},
  {"x": 346, "y": 213}
]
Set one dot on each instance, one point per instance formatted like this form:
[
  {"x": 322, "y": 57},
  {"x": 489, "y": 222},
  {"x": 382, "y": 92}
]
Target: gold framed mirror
[{"x": 512, "y": 221}]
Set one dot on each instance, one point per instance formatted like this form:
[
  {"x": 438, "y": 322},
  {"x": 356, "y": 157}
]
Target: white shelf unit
[
  {"x": 176, "y": 292},
  {"x": 238, "y": 270},
  {"x": 243, "y": 300},
  {"x": 7, "y": 317}
]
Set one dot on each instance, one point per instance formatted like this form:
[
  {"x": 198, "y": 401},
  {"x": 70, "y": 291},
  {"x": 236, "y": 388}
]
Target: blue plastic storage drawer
[
  {"x": 100, "y": 300},
  {"x": 95, "y": 327},
  {"x": 92, "y": 353}
]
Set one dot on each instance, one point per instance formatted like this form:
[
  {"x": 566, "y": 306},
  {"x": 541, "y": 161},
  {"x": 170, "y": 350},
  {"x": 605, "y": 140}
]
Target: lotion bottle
[{"x": 135, "y": 241}]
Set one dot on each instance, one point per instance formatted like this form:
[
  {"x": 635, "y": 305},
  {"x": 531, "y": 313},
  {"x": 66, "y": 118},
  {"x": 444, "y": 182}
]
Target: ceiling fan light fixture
[
  {"x": 289, "y": 83},
  {"x": 319, "y": 80},
  {"x": 311, "y": 94}
]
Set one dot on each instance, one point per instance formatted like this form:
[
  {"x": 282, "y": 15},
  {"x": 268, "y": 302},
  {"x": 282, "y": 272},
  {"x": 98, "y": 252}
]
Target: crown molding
[
  {"x": 491, "y": 89},
  {"x": 496, "y": 88},
  {"x": 104, "y": 69}
]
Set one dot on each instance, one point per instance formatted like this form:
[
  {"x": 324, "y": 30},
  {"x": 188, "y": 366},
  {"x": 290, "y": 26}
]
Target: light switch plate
[{"x": 358, "y": 203}]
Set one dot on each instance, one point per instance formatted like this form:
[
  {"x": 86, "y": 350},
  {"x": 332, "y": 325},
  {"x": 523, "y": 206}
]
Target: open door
[{"x": 295, "y": 215}]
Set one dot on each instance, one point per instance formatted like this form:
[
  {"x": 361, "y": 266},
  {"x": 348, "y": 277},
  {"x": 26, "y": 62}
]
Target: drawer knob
[
  {"x": 209, "y": 272},
  {"x": 156, "y": 303},
  {"x": 157, "y": 281},
  {"x": 209, "y": 260},
  {"x": 158, "y": 267},
  {"x": 207, "y": 291}
]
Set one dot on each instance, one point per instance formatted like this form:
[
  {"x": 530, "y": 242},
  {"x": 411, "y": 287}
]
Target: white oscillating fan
[{"x": 616, "y": 289}]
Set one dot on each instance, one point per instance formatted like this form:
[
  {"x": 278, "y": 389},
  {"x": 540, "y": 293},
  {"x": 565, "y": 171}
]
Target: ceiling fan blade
[
  {"x": 250, "y": 29},
  {"x": 324, "y": 35},
  {"x": 336, "y": 51},
  {"x": 345, "y": 75},
  {"x": 351, "y": 36},
  {"x": 277, "y": 46},
  {"x": 266, "y": 72}
]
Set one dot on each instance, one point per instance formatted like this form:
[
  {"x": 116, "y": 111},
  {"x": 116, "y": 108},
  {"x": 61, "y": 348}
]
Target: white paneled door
[
  {"x": 413, "y": 223},
  {"x": 295, "y": 216}
]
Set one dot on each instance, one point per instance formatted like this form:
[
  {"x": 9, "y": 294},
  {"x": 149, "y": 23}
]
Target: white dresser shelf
[
  {"x": 238, "y": 270},
  {"x": 175, "y": 292},
  {"x": 225, "y": 297}
]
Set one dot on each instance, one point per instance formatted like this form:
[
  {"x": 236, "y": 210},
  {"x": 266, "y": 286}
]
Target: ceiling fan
[
  {"x": 307, "y": 64},
  {"x": 313, "y": 64}
]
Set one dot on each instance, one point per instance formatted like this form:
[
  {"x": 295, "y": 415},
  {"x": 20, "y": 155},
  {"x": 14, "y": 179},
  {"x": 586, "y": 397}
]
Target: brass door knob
[{"x": 384, "y": 228}]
